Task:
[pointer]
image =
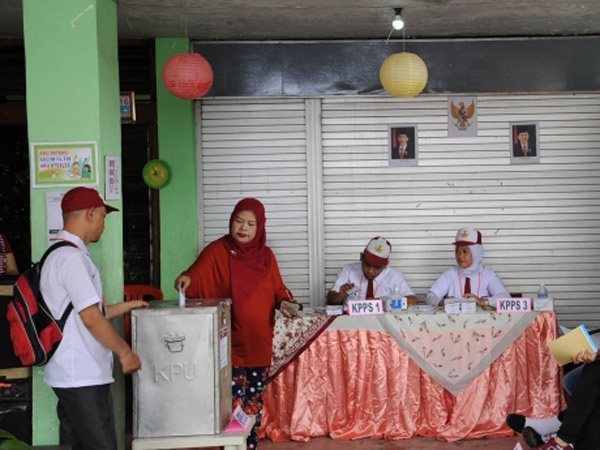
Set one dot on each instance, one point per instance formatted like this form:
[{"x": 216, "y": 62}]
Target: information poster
[{"x": 63, "y": 164}]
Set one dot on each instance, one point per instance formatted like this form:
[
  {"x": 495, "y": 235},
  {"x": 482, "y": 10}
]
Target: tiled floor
[{"x": 419, "y": 443}]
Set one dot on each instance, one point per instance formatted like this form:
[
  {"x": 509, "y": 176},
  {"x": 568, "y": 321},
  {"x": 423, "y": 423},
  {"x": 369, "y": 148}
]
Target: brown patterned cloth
[{"x": 292, "y": 336}]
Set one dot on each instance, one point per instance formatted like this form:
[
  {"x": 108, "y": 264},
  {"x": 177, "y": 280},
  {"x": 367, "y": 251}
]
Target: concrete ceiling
[{"x": 242, "y": 20}]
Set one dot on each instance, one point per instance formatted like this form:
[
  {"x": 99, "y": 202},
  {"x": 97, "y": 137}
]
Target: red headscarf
[{"x": 249, "y": 263}]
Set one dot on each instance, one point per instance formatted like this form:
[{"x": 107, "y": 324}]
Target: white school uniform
[{"x": 384, "y": 284}]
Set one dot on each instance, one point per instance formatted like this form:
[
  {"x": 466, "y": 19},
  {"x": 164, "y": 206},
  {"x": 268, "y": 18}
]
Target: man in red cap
[
  {"x": 371, "y": 277},
  {"x": 80, "y": 372}
]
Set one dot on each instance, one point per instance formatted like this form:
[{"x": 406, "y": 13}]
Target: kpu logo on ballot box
[
  {"x": 513, "y": 305},
  {"x": 365, "y": 307}
]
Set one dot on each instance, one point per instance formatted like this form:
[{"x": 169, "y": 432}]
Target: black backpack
[{"x": 34, "y": 332}]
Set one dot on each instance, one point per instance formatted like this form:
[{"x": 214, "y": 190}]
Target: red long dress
[{"x": 252, "y": 337}]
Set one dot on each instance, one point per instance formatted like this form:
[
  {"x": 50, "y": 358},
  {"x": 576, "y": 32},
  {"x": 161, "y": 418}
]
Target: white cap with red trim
[
  {"x": 377, "y": 252},
  {"x": 467, "y": 236}
]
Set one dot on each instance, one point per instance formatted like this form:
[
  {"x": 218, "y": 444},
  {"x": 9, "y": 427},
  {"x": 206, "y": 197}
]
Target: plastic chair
[{"x": 138, "y": 292}]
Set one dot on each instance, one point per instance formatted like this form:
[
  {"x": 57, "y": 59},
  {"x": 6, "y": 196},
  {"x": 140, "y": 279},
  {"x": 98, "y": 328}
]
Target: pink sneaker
[{"x": 552, "y": 445}]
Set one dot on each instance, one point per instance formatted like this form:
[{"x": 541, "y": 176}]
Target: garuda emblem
[{"x": 462, "y": 114}]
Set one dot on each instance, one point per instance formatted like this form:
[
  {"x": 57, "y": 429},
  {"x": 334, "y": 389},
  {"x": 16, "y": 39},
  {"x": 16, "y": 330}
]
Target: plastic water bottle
[
  {"x": 396, "y": 301},
  {"x": 542, "y": 291}
]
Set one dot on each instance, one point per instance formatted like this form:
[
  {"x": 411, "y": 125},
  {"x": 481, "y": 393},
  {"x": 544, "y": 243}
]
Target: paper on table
[
  {"x": 568, "y": 345},
  {"x": 181, "y": 298}
]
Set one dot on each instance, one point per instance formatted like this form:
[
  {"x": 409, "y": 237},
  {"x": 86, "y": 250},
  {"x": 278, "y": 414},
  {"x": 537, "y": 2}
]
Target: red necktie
[
  {"x": 370, "y": 290},
  {"x": 467, "y": 286},
  {"x": 525, "y": 150},
  {"x": 402, "y": 152}
]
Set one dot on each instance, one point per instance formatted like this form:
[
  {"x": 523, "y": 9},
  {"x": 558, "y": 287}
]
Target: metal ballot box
[{"x": 184, "y": 386}]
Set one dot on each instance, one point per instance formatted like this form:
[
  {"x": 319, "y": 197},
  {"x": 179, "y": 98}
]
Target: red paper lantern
[{"x": 187, "y": 75}]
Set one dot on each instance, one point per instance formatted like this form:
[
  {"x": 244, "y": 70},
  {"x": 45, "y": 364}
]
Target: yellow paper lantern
[{"x": 403, "y": 74}]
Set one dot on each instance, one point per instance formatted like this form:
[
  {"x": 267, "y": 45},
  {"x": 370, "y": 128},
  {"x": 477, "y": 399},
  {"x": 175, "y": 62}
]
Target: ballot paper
[{"x": 181, "y": 298}]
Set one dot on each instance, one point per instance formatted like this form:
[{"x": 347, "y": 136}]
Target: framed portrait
[
  {"x": 67, "y": 164},
  {"x": 127, "y": 106},
  {"x": 402, "y": 145},
  {"x": 524, "y": 143}
]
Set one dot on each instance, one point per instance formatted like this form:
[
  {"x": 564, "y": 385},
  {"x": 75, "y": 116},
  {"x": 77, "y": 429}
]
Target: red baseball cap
[{"x": 82, "y": 198}]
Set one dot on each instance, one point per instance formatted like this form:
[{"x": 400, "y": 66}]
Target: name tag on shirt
[
  {"x": 365, "y": 307},
  {"x": 513, "y": 305}
]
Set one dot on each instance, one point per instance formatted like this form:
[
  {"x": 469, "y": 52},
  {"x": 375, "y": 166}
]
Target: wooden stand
[{"x": 229, "y": 440}]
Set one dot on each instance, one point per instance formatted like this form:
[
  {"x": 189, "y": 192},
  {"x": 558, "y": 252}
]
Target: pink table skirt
[{"x": 351, "y": 384}]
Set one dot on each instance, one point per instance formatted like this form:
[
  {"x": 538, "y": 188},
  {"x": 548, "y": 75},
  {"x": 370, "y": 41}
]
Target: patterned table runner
[
  {"x": 292, "y": 336},
  {"x": 455, "y": 348}
]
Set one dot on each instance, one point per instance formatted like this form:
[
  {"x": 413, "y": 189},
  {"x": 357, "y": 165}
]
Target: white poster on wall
[
  {"x": 112, "y": 178},
  {"x": 54, "y": 220}
]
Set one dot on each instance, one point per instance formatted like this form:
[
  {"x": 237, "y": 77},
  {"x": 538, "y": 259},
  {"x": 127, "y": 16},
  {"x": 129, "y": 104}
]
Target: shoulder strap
[{"x": 50, "y": 249}]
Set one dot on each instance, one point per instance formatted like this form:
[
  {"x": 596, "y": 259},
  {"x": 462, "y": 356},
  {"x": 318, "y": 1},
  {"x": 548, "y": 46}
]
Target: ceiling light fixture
[{"x": 398, "y": 23}]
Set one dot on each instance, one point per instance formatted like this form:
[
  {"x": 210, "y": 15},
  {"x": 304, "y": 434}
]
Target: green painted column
[
  {"x": 73, "y": 95},
  {"x": 178, "y": 200}
]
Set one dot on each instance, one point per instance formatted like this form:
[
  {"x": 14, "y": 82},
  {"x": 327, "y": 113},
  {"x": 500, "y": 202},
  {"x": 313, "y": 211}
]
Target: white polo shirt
[
  {"x": 384, "y": 284},
  {"x": 483, "y": 284},
  {"x": 69, "y": 275}
]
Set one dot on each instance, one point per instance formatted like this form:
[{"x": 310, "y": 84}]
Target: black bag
[{"x": 34, "y": 332}]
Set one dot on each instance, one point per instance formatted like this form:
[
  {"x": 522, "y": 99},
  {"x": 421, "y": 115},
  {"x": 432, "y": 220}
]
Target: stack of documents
[
  {"x": 334, "y": 310},
  {"x": 468, "y": 306},
  {"x": 460, "y": 305},
  {"x": 452, "y": 305}
]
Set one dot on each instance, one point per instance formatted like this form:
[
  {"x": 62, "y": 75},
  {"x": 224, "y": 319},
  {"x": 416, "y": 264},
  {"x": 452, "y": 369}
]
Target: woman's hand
[
  {"x": 290, "y": 309},
  {"x": 481, "y": 301},
  {"x": 183, "y": 282},
  {"x": 585, "y": 356}
]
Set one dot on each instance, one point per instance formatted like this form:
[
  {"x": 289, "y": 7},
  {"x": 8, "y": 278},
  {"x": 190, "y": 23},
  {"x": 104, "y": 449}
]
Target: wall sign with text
[{"x": 63, "y": 164}]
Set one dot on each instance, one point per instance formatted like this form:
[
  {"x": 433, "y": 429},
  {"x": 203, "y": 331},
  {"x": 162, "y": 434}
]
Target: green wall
[
  {"x": 73, "y": 95},
  {"x": 177, "y": 146}
]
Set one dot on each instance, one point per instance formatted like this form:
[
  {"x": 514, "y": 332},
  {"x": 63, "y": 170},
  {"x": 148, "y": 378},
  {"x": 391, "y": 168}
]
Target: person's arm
[
  {"x": 412, "y": 299},
  {"x": 433, "y": 299},
  {"x": 284, "y": 299},
  {"x": 405, "y": 289},
  {"x": 337, "y": 298},
  {"x": 117, "y": 309},
  {"x": 103, "y": 331},
  {"x": 11, "y": 264},
  {"x": 208, "y": 276},
  {"x": 439, "y": 290},
  {"x": 495, "y": 288},
  {"x": 342, "y": 287}
]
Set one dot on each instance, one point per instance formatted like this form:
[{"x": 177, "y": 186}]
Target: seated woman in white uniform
[{"x": 468, "y": 278}]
